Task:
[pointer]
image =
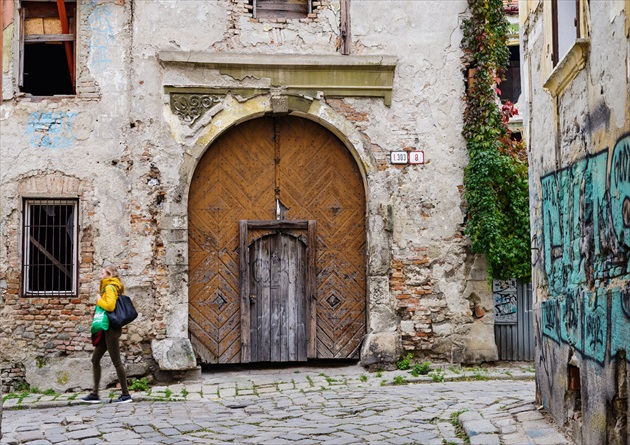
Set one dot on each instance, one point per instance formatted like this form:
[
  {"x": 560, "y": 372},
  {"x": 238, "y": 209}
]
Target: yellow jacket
[{"x": 110, "y": 289}]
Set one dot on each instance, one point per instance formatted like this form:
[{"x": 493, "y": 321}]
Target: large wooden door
[{"x": 264, "y": 169}]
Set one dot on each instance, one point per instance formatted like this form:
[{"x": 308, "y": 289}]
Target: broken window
[
  {"x": 511, "y": 86},
  {"x": 47, "y": 47},
  {"x": 50, "y": 247},
  {"x": 566, "y": 28},
  {"x": 287, "y": 9}
]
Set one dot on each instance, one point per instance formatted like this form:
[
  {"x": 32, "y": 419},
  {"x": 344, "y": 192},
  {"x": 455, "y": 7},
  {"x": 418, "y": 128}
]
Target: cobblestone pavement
[{"x": 332, "y": 405}]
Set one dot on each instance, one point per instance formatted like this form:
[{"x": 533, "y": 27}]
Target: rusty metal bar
[{"x": 65, "y": 29}]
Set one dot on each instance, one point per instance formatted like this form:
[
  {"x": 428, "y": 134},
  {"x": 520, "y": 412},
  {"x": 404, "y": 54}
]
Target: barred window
[{"x": 50, "y": 247}]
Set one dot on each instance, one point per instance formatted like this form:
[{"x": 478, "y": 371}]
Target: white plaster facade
[{"x": 119, "y": 148}]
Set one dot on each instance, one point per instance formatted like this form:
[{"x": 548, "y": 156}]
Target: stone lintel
[{"x": 335, "y": 76}]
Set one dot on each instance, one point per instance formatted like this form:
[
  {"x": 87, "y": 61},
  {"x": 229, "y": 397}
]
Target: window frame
[
  {"x": 64, "y": 39},
  {"x": 255, "y": 12},
  {"x": 555, "y": 55},
  {"x": 26, "y": 266},
  {"x": 558, "y": 76}
]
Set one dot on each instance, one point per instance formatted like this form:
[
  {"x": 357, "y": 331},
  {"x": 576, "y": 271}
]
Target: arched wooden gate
[{"x": 267, "y": 184}]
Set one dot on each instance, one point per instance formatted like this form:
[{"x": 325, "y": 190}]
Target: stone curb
[
  {"x": 144, "y": 398},
  {"x": 464, "y": 378}
]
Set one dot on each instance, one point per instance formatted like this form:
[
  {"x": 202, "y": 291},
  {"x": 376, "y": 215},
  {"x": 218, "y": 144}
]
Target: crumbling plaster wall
[
  {"x": 133, "y": 160},
  {"x": 75, "y": 147},
  {"x": 580, "y": 213}
]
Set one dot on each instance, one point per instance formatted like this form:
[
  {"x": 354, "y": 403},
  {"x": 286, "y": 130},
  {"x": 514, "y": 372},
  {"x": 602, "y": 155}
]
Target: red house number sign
[{"x": 416, "y": 157}]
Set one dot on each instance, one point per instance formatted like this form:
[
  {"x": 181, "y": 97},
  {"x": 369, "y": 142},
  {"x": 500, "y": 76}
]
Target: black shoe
[
  {"x": 91, "y": 398},
  {"x": 123, "y": 399}
]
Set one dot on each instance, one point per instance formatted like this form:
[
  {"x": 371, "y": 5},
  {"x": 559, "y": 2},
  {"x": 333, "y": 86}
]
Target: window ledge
[{"x": 568, "y": 68}]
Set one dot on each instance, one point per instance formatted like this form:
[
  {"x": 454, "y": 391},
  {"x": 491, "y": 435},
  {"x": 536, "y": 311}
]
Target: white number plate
[{"x": 399, "y": 157}]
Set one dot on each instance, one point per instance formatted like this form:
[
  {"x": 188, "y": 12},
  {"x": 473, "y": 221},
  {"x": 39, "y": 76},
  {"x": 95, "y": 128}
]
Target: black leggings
[{"x": 110, "y": 343}]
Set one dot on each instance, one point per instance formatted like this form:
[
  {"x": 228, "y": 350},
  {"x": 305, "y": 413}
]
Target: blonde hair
[{"x": 112, "y": 270}]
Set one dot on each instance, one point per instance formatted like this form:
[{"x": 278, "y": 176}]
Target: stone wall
[
  {"x": 118, "y": 147},
  {"x": 577, "y": 131}
]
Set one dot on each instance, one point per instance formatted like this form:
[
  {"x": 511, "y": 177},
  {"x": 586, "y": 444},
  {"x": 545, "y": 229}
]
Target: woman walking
[{"x": 110, "y": 288}]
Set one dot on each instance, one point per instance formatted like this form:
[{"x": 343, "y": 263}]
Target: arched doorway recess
[{"x": 263, "y": 171}]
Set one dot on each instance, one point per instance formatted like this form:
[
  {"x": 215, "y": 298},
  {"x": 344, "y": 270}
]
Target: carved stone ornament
[{"x": 191, "y": 107}]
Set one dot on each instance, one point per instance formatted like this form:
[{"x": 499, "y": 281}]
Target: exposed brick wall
[
  {"x": 409, "y": 295},
  {"x": 239, "y": 9},
  {"x": 58, "y": 325},
  {"x": 13, "y": 376}
]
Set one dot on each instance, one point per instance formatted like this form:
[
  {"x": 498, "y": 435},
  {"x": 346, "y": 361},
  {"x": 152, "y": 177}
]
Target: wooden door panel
[
  {"x": 319, "y": 180},
  {"x": 234, "y": 180}
]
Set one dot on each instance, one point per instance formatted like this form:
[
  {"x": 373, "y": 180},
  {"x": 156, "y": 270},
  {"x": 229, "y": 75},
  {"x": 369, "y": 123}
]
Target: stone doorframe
[{"x": 196, "y": 119}]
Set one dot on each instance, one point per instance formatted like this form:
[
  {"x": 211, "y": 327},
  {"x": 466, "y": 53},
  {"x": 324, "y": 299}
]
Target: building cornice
[{"x": 310, "y": 75}]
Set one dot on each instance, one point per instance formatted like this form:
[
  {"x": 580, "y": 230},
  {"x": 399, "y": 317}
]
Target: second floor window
[
  {"x": 566, "y": 27},
  {"x": 47, "y": 47}
]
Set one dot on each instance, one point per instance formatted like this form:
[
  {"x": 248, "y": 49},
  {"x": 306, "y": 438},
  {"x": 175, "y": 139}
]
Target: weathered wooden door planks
[
  {"x": 241, "y": 177},
  {"x": 278, "y": 299}
]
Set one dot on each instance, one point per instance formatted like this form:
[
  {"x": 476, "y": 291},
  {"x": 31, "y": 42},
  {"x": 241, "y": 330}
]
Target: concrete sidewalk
[{"x": 303, "y": 405}]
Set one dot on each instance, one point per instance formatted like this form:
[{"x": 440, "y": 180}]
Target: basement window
[
  {"x": 50, "y": 247},
  {"x": 47, "y": 47},
  {"x": 281, "y": 9}
]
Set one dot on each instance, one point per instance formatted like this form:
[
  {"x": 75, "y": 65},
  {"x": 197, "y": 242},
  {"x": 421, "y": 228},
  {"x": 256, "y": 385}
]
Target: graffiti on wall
[
  {"x": 50, "y": 129},
  {"x": 586, "y": 253},
  {"x": 101, "y": 35},
  {"x": 505, "y": 305}
]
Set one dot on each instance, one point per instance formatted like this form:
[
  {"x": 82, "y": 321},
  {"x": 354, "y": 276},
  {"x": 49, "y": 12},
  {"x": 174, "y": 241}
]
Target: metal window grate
[{"x": 50, "y": 247}]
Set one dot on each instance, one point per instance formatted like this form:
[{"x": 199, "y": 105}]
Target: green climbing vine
[{"x": 495, "y": 179}]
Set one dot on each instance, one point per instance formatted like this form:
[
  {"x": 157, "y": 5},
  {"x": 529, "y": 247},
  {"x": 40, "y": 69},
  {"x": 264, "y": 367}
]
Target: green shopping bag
[{"x": 100, "y": 321}]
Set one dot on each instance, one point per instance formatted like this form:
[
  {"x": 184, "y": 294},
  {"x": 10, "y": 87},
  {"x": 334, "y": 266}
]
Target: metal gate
[{"x": 513, "y": 328}]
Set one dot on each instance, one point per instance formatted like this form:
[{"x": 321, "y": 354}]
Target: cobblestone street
[{"x": 332, "y": 405}]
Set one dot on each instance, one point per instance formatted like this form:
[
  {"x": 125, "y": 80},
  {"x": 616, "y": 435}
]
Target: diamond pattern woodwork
[{"x": 317, "y": 179}]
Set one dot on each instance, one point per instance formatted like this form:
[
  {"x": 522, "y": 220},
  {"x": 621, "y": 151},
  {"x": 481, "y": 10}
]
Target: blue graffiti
[
  {"x": 101, "y": 35},
  {"x": 50, "y": 129},
  {"x": 586, "y": 253}
]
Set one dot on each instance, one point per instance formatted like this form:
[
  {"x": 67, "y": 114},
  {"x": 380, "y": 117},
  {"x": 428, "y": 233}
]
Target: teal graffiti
[
  {"x": 596, "y": 327},
  {"x": 620, "y": 192},
  {"x": 585, "y": 243},
  {"x": 572, "y": 314},
  {"x": 620, "y": 320},
  {"x": 48, "y": 129},
  {"x": 550, "y": 319}
]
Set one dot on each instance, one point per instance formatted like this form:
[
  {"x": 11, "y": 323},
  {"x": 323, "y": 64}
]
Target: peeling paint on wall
[{"x": 50, "y": 129}]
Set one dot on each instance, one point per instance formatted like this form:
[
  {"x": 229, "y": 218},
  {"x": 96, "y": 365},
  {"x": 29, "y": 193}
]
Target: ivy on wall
[{"x": 495, "y": 179}]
